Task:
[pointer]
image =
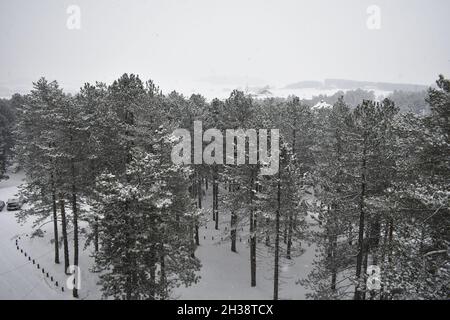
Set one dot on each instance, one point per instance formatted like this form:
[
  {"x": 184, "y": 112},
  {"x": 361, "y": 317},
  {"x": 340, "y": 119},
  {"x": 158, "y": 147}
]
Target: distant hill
[
  {"x": 344, "y": 84},
  {"x": 305, "y": 85}
]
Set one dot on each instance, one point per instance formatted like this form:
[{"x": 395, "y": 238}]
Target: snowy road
[{"x": 19, "y": 278}]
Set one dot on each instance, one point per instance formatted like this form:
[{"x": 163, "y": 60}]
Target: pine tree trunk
[
  {"x": 333, "y": 280},
  {"x": 364, "y": 269},
  {"x": 289, "y": 236},
  {"x": 360, "y": 256},
  {"x": 128, "y": 256},
  {"x": 199, "y": 194},
  {"x": 75, "y": 231},
  {"x": 64, "y": 233},
  {"x": 350, "y": 234},
  {"x": 390, "y": 239},
  {"x": 233, "y": 231},
  {"x": 214, "y": 196},
  {"x": 277, "y": 240},
  {"x": 96, "y": 234},
  {"x": 253, "y": 258},
  {"x": 163, "y": 284},
  {"x": 152, "y": 263},
  {"x": 332, "y": 236},
  {"x": 333, "y": 262},
  {"x": 375, "y": 240},
  {"x": 216, "y": 203},
  {"x": 194, "y": 187},
  {"x": 55, "y": 227},
  {"x": 197, "y": 237},
  {"x": 192, "y": 238},
  {"x": 252, "y": 238},
  {"x": 291, "y": 220},
  {"x": 383, "y": 255}
]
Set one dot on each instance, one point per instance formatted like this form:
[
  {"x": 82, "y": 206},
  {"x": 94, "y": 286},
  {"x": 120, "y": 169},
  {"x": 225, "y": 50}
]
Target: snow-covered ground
[
  {"x": 224, "y": 274},
  {"x": 19, "y": 278}
]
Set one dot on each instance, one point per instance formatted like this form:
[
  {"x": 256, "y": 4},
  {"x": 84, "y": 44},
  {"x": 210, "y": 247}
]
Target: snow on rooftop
[{"x": 322, "y": 105}]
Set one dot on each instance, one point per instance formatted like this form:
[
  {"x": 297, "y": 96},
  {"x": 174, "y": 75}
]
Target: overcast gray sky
[{"x": 226, "y": 42}]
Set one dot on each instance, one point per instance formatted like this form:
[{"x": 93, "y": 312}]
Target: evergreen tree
[
  {"x": 240, "y": 200},
  {"x": 38, "y": 134}
]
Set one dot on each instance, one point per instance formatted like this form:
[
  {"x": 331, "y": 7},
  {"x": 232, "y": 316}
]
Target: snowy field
[{"x": 224, "y": 275}]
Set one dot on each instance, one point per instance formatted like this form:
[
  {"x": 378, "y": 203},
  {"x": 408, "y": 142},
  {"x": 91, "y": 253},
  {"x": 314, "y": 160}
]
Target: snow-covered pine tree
[
  {"x": 7, "y": 124},
  {"x": 145, "y": 218},
  {"x": 354, "y": 169},
  {"x": 37, "y": 143},
  {"x": 152, "y": 253},
  {"x": 239, "y": 112},
  {"x": 295, "y": 121},
  {"x": 415, "y": 262},
  {"x": 279, "y": 202},
  {"x": 73, "y": 136},
  {"x": 214, "y": 119},
  {"x": 334, "y": 194},
  {"x": 197, "y": 106},
  {"x": 96, "y": 126},
  {"x": 373, "y": 157}
]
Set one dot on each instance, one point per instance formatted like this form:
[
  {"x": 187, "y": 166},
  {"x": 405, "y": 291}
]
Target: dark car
[
  {"x": 14, "y": 204},
  {"x": 2, "y": 205}
]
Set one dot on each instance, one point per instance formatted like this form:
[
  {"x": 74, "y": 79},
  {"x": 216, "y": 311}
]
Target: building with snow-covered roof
[{"x": 322, "y": 105}]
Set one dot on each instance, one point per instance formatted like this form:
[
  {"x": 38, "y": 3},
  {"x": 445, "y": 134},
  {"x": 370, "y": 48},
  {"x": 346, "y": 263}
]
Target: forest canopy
[{"x": 373, "y": 175}]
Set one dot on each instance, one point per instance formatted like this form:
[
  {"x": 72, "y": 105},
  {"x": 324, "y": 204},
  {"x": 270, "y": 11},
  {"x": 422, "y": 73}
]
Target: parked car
[
  {"x": 2, "y": 205},
  {"x": 14, "y": 204}
]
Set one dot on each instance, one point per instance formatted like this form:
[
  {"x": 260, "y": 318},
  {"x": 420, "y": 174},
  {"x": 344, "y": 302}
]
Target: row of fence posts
[{"x": 38, "y": 266}]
